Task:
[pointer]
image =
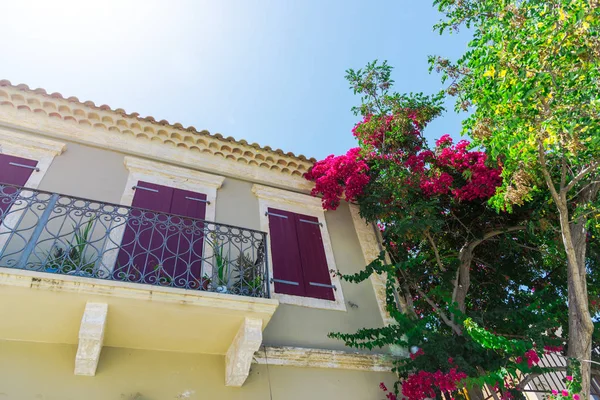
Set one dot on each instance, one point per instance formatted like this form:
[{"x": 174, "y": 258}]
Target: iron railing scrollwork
[{"x": 60, "y": 234}]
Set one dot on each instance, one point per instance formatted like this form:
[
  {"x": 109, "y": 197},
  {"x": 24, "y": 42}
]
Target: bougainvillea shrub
[{"x": 473, "y": 290}]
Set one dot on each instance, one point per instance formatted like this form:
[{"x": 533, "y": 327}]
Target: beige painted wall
[
  {"x": 33, "y": 371},
  {"x": 100, "y": 174},
  {"x": 87, "y": 172},
  {"x": 301, "y": 326},
  {"x": 237, "y": 205}
]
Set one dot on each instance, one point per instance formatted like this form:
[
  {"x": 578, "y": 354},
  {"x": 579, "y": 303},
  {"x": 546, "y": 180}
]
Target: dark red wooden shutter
[
  {"x": 143, "y": 244},
  {"x": 14, "y": 171},
  {"x": 287, "y": 267},
  {"x": 185, "y": 243},
  {"x": 317, "y": 281},
  {"x": 157, "y": 198}
]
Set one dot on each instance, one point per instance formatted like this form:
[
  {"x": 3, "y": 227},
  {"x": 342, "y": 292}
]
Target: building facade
[{"x": 143, "y": 260}]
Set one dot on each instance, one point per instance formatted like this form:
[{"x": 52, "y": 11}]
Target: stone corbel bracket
[
  {"x": 91, "y": 337},
  {"x": 239, "y": 356}
]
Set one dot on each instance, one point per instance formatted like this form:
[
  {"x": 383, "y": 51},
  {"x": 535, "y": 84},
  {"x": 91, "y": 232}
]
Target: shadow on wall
[
  {"x": 138, "y": 396},
  {"x": 134, "y": 396}
]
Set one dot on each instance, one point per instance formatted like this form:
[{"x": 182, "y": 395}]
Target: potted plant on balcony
[
  {"x": 205, "y": 283},
  {"x": 162, "y": 277},
  {"x": 71, "y": 260},
  {"x": 249, "y": 280},
  {"x": 222, "y": 263}
]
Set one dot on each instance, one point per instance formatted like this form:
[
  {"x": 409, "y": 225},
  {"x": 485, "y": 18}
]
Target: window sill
[{"x": 311, "y": 302}]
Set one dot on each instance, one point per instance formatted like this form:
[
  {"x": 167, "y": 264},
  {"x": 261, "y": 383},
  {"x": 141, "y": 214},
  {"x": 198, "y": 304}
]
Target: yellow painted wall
[
  {"x": 100, "y": 174},
  {"x": 33, "y": 371}
]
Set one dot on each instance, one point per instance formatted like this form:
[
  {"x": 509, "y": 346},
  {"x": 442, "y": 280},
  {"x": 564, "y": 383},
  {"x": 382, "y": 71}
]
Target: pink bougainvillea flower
[
  {"x": 336, "y": 176},
  {"x": 575, "y": 397},
  {"x": 443, "y": 141},
  {"x": 554, "y": 392},
  {"x": 532, "y": 358},
  {"x": 450, "y": 170},
  {"x": 569, "y": 378},
  {"x": 553, "y": 349},
  {"x": 416, "y": 354},
  {"x": 422, "y": 384},
  {"x": 565, "y": 392}
]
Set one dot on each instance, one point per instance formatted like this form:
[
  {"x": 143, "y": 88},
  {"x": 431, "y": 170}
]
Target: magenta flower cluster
[
  {"x": 455, "y": 159},
  {"x": 451, "y": 169},
  {"x": 531, "y": 357},
  {"x": 337, "y": 177},
  {"x": 423, "y": 384}
]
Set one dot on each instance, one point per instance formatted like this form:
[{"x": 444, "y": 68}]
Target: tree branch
[
  {"x": 497, "y": 232},
  {"x": 442, "y": 315},
  {"x": 527, "y": 247},
  {"x": 581, "y": 175},
  {"x": 563, "y": 173},
  {"x": 587, "y": 185},
  {"x": 435, "y": 251},
  {"x": 548, "y": 178}
]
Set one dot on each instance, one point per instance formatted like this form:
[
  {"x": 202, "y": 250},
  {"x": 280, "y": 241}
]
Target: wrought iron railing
[{"x": 55, "y": 233}]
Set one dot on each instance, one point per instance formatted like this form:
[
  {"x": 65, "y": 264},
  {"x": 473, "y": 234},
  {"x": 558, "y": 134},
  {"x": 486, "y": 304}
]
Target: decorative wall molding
[
  {"x": 91, "y": 338},
  {"x": 371, "y": 249},
  {"x": 52, "y": 115},
  {"x": 316, "y": 358},
  {"x": 239, "y": 356},
  {"x": 172, "y": 176},
  {"x": 293, "y": 199},
  {"x": 307, "y": 205},
  {"x": 182, "y": 175}
]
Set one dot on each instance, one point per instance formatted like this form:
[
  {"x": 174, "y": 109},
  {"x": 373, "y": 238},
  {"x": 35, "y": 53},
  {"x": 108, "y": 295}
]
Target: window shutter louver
[
  {"x": 13, "y": 175},
  {"x": 287, "y": 268},
  {"x": 317, "y": 280},
  {"x": 165, "y": 249},
  {"x": 186, "y": 243},
  {"x": 143, "y": 244}
]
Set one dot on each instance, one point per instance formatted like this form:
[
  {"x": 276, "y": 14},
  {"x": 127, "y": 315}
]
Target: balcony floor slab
[{"x": 43, "y": 307}]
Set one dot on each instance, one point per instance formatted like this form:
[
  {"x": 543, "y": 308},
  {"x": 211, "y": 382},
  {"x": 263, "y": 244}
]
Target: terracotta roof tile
[{"x": 91, "y": 104}]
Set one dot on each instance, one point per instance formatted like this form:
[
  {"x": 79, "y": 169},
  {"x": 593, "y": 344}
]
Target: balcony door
[
  {"x": 160, "y": 245},
  {"x": 13, "y": 171}
]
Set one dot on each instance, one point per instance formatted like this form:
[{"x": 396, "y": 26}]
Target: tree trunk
[
  {"x": 463, "y": 281},
  {"x": 581, "y": 327},
  {"x": 476, "y": 393},
  {"x": 580, "y": 324},
  {"x": 574, "y": 236},
  {"x": 465, "y": 257}
]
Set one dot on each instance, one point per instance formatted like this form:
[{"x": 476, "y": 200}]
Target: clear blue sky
[{"x": 268, "y": 71}]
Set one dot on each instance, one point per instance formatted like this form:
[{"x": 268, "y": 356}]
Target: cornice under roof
[{"x": 55, "y": 105}]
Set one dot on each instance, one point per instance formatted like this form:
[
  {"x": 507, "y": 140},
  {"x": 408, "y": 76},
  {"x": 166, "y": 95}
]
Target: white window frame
[
  {"x": 165, "y": 175},
  {"x": 298, "y": 203}
]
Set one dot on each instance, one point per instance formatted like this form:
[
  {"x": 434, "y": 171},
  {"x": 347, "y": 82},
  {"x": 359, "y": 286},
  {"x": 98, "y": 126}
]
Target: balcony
[{"x": 170, "y": 282}]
